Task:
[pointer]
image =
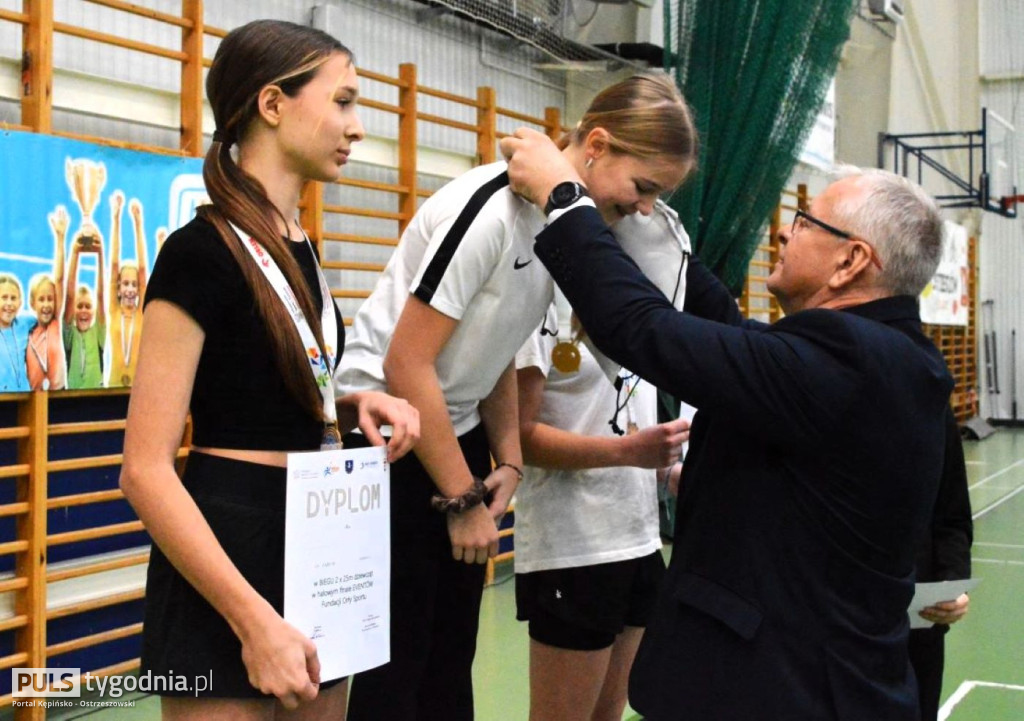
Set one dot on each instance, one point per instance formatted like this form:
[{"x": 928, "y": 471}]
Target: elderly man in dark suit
[{"x": 815, "y": 456}]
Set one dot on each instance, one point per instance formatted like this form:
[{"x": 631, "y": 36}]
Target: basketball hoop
[{"x": 1009, "y": 204}]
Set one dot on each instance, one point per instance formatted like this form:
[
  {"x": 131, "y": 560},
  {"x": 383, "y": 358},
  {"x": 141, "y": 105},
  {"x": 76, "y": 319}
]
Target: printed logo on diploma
[{"x": 337, "y": 575}]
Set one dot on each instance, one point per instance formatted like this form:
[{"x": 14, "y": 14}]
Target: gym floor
[{"x": 984, "y": 678}]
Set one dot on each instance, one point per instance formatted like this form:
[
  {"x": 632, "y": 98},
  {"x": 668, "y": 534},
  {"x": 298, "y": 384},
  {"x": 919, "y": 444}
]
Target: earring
[{"x": 590, "y": 161}]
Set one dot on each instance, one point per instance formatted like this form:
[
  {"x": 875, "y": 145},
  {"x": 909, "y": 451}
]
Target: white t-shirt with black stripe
[
  {"x": 468, "y": 253},
  {"x": 574, "y": 518}
]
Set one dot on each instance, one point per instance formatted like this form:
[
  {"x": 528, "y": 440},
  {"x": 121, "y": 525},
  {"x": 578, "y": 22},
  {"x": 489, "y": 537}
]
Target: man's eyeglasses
[{"x": 801, "y": 215}]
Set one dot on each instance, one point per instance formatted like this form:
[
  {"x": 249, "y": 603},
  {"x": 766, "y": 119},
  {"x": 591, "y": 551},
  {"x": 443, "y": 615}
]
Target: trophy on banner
[{"x": 86, "y": 180}]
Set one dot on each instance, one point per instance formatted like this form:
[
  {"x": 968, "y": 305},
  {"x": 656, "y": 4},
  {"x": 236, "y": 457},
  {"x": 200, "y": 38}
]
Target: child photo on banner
[{"x": 72, "y": 281}]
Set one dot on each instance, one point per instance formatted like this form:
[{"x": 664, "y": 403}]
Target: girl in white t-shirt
[
  {"x": 588, "y": 548},
  {"x": 457, "y": 300}
]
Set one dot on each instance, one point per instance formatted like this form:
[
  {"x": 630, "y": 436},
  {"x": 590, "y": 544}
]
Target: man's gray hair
[{"x": 900, "y": 220}]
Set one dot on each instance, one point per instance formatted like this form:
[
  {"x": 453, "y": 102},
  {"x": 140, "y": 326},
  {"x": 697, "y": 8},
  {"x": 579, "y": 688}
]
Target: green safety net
[{"x": 755, "y": 73}]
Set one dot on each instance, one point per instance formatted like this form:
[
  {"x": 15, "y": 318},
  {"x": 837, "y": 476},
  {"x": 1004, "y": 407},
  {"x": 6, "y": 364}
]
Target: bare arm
[
  {"x": 280, "y": 660},
  {"x": 72, "y": 288},
  {"x": 499, "y": 413},
  {"x": 101, "y": 310},
  {"x": 546, "y": 446},
  {"x": 135, "y": 208},
  {"x": 420, "y": 335},
  {"x": 59, "y": 223},
  {"x": 116, "y": 204}
]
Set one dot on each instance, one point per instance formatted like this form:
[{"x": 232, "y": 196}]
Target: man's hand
[
  {"x": 535, "y": 165},
  {"x": 947, "y": 612}
]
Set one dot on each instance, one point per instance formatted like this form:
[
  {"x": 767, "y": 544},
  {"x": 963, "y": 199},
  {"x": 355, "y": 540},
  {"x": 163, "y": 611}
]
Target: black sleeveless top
[{"x": 239, "y": 399}]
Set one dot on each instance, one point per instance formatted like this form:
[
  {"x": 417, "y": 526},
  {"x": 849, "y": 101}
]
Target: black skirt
[{"x": 244, "y": 504}]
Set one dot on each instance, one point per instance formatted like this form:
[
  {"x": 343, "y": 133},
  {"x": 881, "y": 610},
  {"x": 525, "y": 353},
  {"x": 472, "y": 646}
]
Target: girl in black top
[{"x": 219, "y": 341}]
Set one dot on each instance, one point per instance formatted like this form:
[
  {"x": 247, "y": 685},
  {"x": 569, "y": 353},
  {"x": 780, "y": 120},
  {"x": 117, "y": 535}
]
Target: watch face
[{"x": 564, "y": 193}]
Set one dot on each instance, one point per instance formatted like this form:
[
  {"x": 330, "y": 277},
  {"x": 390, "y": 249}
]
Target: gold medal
[
  {"x": 566, "y": 357},
  {"x": 331, "y": 439}
]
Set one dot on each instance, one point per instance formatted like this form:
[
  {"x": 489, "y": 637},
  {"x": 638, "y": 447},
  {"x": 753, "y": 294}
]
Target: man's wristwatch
[{"x": 563, "y": 195}]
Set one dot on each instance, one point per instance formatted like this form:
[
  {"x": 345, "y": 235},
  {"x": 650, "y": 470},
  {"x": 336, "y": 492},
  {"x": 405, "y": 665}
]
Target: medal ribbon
[
  {"x": 12, "y": 357},
  {"x": 322, "y": 367},
  {"x": 126, "y": 343},
  {"x": 45, "y": 356}
]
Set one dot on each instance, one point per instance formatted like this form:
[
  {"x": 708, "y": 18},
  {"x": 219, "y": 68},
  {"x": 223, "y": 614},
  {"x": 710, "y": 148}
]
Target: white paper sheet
[
  {"x": 337, "y": 577},
  {"x": 928, "y": 594}
]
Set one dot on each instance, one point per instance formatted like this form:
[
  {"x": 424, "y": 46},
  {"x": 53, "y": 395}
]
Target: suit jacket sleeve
[
  {"x": 707, "y": 297},
  {"x": 946, "y": 552},
  {"x": 785, "y": 382}
]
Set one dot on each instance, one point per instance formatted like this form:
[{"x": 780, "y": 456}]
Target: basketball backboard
[
  {"x": 967, "y": 168},
  {"x": 1000, "y": 159}
]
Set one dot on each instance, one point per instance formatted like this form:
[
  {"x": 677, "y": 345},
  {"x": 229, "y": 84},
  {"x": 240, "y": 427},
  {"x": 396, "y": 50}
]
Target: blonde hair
[
  {"x": 127, "y": 265},
  {"x": 36, "y": 283},
  {"x": 11, "y": 279},
  {"x": 645, "y": 115}
]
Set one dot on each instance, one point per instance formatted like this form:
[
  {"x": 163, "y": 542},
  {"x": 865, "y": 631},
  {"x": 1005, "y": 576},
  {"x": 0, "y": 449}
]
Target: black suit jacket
[{"x": 814, "y": 467}]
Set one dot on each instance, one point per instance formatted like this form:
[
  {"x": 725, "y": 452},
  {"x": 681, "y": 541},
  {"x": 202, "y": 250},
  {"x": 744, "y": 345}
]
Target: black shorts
[
  {"x": 244, "y": 505},
  {"x": 585, "y": 608}
]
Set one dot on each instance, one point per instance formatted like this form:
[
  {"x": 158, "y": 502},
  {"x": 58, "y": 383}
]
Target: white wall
[
  {"x": 862, "y": 91},
  {"x": 917, "y": 76},
  {"x": 1002, "y": 241}
]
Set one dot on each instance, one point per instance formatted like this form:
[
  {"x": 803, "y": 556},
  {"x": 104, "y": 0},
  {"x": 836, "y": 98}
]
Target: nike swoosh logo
[{"x": 517, "y": 265}]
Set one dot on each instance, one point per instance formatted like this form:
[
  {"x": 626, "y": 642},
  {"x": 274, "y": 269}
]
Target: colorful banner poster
[
  {"x": 945, "y": 300},
  {"x": 80, "y": 226}
]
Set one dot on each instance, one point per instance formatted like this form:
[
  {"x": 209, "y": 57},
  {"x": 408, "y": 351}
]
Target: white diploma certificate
[{"x": 337, "y": 556}]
